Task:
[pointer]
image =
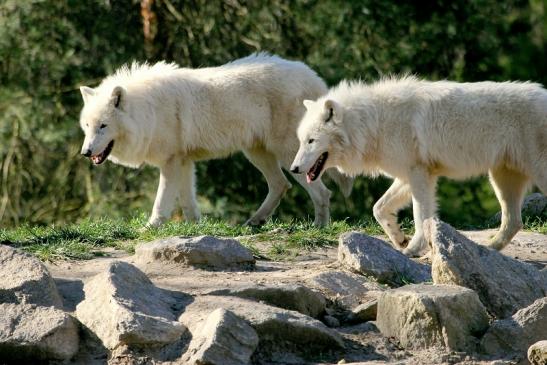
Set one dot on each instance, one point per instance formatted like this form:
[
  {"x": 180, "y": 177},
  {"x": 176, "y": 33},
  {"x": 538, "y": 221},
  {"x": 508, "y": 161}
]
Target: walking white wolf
[
  {"x": 169, "y": 117},
  {"x": 416, "y": 131}
]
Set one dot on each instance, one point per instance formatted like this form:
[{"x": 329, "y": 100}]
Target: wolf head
[
  {"x": 101, "y": 121},
  {"x": 322, "y": 137}
]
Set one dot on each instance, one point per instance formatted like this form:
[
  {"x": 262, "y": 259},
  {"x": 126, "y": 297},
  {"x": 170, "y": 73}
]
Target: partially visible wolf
[
  {"x": 169, "y": 117},
  {"x": 416, "y": 131}
]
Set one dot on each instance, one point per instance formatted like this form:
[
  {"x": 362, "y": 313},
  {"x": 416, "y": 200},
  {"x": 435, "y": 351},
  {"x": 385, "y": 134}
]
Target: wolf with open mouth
[
  {"x": 170, "y": 117},
  {"x": 416, "y": 131}
]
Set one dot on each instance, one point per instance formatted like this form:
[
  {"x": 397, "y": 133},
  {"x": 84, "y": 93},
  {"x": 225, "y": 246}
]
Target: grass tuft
[
  {"x": 538, "y": 225},
  {"x": 89, "y": 238},
  {"x": 274, "y": 240}
]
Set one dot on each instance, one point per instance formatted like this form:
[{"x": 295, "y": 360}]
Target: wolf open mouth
[
  {"x": 317, "y": 167},
  {"x": 99, "y": 159}
]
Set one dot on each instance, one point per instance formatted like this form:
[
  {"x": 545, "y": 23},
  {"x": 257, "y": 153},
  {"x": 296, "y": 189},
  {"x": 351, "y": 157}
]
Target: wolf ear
[
  {"x": 87, "y": 93},
  {"x": 334, "y": 111},
  {"x": 118, "y": 97},
  {"x": 308, "y": 103}
]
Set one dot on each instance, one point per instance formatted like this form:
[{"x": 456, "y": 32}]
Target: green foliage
[{"x": 49, "y": 48}]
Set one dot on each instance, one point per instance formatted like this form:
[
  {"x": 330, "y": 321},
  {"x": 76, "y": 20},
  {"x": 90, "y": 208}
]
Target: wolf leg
[
  {"x": 385, "y": 211},
  {"x": 509, "y": 186},
  {"x": 422, "y": 186},
  {"x": 177, "y": 180},
  {"x": 187, "y": 191},
  {"x": 277, "y": 183},
  {"x": 170, "y": 177},
  {"x": 320, "y": 196}
]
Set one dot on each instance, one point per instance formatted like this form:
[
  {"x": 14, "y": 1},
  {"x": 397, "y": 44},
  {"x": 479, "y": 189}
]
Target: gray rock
[
  {"x": 34, "y": 333},
  {"x": 199, "y": 251},
  {"x": 364, "y": 312},
  {"x": 537, "y": 353},
  {"x": 272, "y": 324},
  {"x": 24, "y": 279},
  {"x": 423, "y": 316},
  {"x": 346, "y": 289},
  {"x": 123, "y": 307},
  {"x": 224, "y": 339},
  {"x": 331, "y": 321},
  {"x": 534, "y": 205},
  {"x": 516, "y": 334},
  {"x": 291, "y": 296},
  {"x": 503, "y": 284},
  {"x": 372, "y": 256}
]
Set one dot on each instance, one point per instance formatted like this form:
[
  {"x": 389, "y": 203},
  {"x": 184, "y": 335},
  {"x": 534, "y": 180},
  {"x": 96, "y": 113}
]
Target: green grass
[
  {"x": 89, "y": 238},
  {"x": 274, "y": 240},
  {"x": 285, "y": 240},
  {"x": 538, "y": 225}
]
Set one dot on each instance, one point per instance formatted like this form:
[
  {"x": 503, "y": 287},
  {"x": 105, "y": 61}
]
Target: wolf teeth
[{"x": 99, "y": 158}]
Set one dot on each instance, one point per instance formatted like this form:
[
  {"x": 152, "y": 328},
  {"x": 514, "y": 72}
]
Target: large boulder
[
  {"x": 24, "y": 279},
  {"x": 503, "y": 284},
  {"x": 273, "y": 325},
  {"x": 422, "y": 316},
  {"x": 537, "y": 353},
  {"x": 34, "y": 333},
  {"x": 288, "y": 296},
  {"x": 123, "y": 307},
  {"x": 372, "y": 256},
  {"x": 348, "y": 290},
  {"x": 224, "y": 339},
  {"x": 517, "y": 333},
  {"x": 198, "y": 251}
]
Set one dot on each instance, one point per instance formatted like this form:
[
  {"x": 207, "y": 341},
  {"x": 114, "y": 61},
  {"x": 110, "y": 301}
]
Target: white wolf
[
  {"x": 415, "y": 131},
  {"x": 169, "y": 117}
]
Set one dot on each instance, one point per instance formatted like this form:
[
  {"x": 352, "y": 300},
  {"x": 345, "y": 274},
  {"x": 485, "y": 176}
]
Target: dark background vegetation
[{"x": 49, "y": 48}]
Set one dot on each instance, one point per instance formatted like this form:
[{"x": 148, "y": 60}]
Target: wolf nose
[
  {"x": 295, "y": 170},
  {"x": 86, "y": 153}
]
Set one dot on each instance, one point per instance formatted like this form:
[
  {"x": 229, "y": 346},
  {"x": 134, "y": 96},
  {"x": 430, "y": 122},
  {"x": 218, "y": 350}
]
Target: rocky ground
[{"x": 209, "y": 301}]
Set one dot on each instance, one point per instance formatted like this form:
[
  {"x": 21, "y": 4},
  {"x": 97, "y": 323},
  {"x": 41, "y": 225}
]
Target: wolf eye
[
  {"x": 102, "y": 126},
  {"x": 311, "y": 141}
]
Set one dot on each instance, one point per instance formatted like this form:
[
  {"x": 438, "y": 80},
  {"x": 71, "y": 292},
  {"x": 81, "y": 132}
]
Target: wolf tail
[{"x": 344, "y": 182}]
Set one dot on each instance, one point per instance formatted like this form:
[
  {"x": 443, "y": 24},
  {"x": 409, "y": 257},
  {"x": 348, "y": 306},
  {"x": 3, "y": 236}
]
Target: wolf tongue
[{"x": 308, "y": 178}]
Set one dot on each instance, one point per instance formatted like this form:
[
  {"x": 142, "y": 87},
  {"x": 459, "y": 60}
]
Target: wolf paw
[
  {"x": 497, "y": 244},
  {"x": 411, "y": 252},
  {"x": 254, "y": 222},
  {"x": 321, "y": 222},
  {"x": 153, "y": 223},
  {"x": 417, "y": 247}
]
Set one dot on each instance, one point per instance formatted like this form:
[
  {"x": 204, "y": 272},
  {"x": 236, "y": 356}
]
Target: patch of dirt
[
  {"x": 363, "y": 341},
  {"x": 526, "y": 246}
]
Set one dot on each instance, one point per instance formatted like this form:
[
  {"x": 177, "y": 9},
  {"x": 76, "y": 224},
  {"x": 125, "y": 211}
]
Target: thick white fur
[
  {"x": 416, "y": 131},
  {"x": 169, "y": 117}
]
